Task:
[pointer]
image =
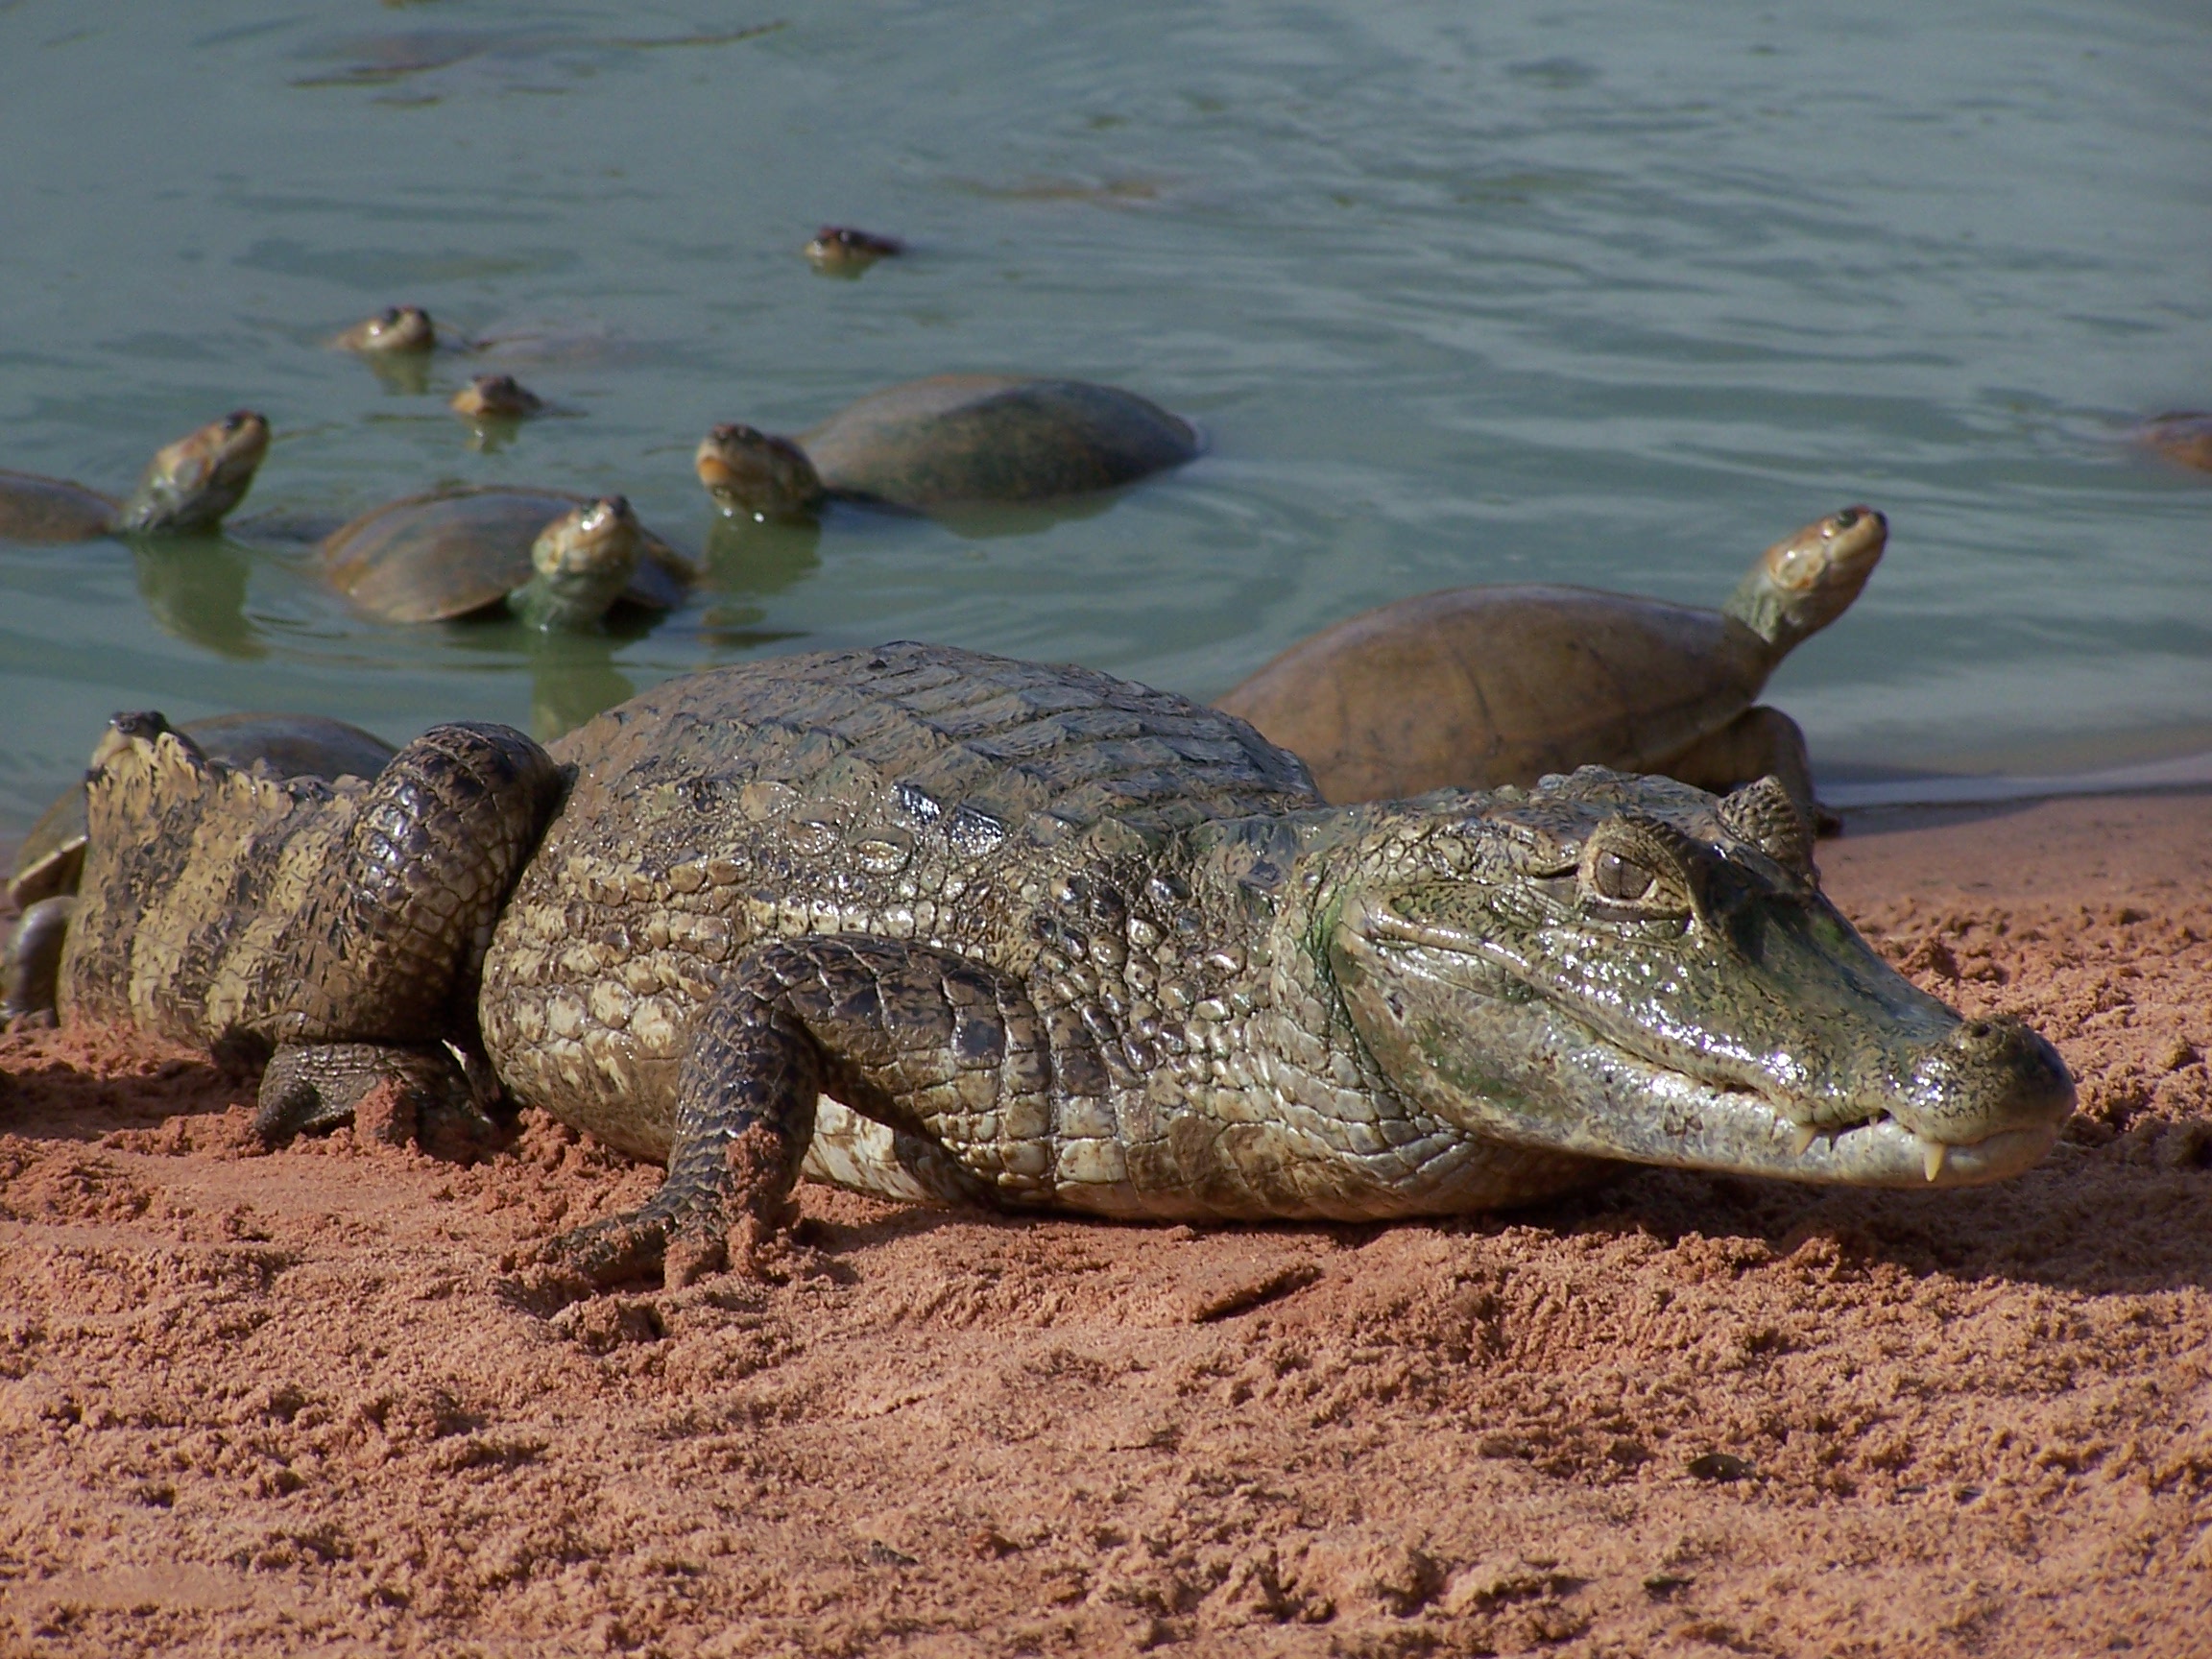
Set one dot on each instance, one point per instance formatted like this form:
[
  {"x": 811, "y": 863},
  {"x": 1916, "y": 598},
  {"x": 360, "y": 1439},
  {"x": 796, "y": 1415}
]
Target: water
[{"x": 1610, "y": 292}]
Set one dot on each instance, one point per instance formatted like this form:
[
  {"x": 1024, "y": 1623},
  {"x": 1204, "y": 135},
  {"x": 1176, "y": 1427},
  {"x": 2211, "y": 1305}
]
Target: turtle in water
[
  {"x": 188, "y": 486},
  {"x": 44, "y": 879},
  {"x": 2183, "y": 436},
  {"x": 397, "y": 330},
  {"x": 1476, "y": 687},
  {"x": 841, "y": 251},
  {"x": 555, "y": 560},
  {"x": 494, "y": 407},
  {"x": 495, "y": 397},
  {"x": 950, "y": 441}
]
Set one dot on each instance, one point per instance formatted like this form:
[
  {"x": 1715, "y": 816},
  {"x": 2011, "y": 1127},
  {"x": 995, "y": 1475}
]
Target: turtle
[
  {"x": 841, "y": 251},
  {"x": 289, "y": 745},
  {"x": 556, "y": 560},
  {"x": 188, "y": 486},
  {"x": 397, "y": 330},
  {"x": 950, "y": 441},
  {"x": 495, "y": 397},
  {"x": 2182, "y": 435},
  {"x": 1477, "y": 688}
]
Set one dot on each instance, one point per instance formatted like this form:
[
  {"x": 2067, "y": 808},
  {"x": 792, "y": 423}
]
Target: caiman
[{"x": 944, "y": 926}]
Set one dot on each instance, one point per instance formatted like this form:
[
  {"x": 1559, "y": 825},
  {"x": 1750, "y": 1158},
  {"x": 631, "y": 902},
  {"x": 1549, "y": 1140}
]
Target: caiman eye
[
  {"x": 1631, "y": 872},
  {"x": 1622, "y": 878}
]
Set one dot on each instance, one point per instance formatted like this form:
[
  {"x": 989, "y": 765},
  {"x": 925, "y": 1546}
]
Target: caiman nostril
[{"x": 2017, "y": 1074}]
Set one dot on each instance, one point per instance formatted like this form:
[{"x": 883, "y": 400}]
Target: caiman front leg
[
  {"x": 380, "y": 967},
  {"x": 900, "y": 1033},
  {"x": 313, "y": 1088}
]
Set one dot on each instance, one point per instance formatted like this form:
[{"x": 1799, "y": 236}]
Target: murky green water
[{"x": 1613, "y": 293}]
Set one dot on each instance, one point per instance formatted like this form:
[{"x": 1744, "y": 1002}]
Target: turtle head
[
  {"x": 497, "y": 398},
  {"x": 757, "y": 475},
  {"x": 191, "y": 484},
  {"x": 841, "y": 251},
  {"x": 1628, "y": 968},
  {"x": 583, "y": 560},
  {"x": 140, "y": 747},
  {"x": 1805, "y": 580},
  {"x": 396, "y": 328}
]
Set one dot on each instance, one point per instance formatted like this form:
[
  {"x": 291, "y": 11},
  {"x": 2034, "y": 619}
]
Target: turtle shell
[
  {"x": 426, "y": 558},
  {"x": 1474, "y": 687},
  {"x": 35, "y": 509},
  {"x": 988, "y": 438},
  {"x": 291, "y": 745}
]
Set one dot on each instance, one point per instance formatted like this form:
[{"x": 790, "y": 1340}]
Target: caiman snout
[{"x": 1990, "y": 1076}]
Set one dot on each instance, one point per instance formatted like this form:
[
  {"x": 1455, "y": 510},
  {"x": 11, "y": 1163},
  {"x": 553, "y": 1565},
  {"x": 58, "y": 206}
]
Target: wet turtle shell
[
  {"x": 289, "y": 745},
  {"x": 1474, "y": 687},
  {"x": 450, "y": 553},
  {"x": 187, "y": 487},
  {"x": 952, "y": 440}
]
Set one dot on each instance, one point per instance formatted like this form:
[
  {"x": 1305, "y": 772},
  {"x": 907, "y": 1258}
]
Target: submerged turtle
[
  {"x": 2183, "y": 436},
  {"x": 841, "y": 251},
  {"x": 950, "y": 441},
  {"x": 556, "y": 560},
  {"x": 396, "y": 329},
  {"x": 1477, "y": 688},
  {"x": 289, "y": 745},
  {"x": 188, "y": 486}
]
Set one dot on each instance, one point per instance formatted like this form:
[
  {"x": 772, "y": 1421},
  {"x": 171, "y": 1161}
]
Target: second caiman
[{"x": 945, "y": 926}]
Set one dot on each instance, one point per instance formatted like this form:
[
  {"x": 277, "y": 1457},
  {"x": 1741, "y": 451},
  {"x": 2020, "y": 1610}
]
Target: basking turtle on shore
[
  {"x": 44, "y": 882},
  {"x": 2182, "y": 435},
  {"x": 555, "y": 560},
  {"x": 1474, "y": 687},
  {"x": 188, "y": 486},
  {"x": 395, "y": 330},
  {"x": 950, "y": 441}
]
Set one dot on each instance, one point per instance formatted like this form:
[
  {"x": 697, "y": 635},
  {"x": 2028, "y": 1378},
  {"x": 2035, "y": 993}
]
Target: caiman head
[{"x": 1629, "y": 968}]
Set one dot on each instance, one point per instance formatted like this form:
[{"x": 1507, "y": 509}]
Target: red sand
[{"x": 279, "y": 1403}]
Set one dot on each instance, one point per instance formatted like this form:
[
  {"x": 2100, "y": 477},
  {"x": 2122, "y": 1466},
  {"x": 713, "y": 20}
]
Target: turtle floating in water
[
  {"x": 397, "y": 330},
  {"x": 44, "y": 882},
  {"x": 950, "y": 441},
  {"x": 188, "y": 487},
  {"x": 555, "y": 560},
  {"x": 1474, "y": 687},
  {"x": 2182, "y": 435},
  {"x": 841, "y": 251},
  {"x": 495, "y": 397}
]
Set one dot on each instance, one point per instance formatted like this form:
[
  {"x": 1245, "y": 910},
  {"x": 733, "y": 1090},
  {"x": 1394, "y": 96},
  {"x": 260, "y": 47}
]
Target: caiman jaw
[{"x": 1457, "y": 1021}]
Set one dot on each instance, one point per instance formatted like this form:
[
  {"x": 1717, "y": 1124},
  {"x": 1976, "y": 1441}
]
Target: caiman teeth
[
  {"x": 1931, "y": 1155},
  {"x": 1802, "y": 1143}
]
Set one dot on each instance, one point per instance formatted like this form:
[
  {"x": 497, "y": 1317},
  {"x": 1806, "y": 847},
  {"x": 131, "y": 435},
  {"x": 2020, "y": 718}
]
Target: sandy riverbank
[{"x": 277, "y": 1403}]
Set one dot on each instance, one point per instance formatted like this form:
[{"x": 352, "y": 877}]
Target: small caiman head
[{"x": 1629, "y": 968}]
